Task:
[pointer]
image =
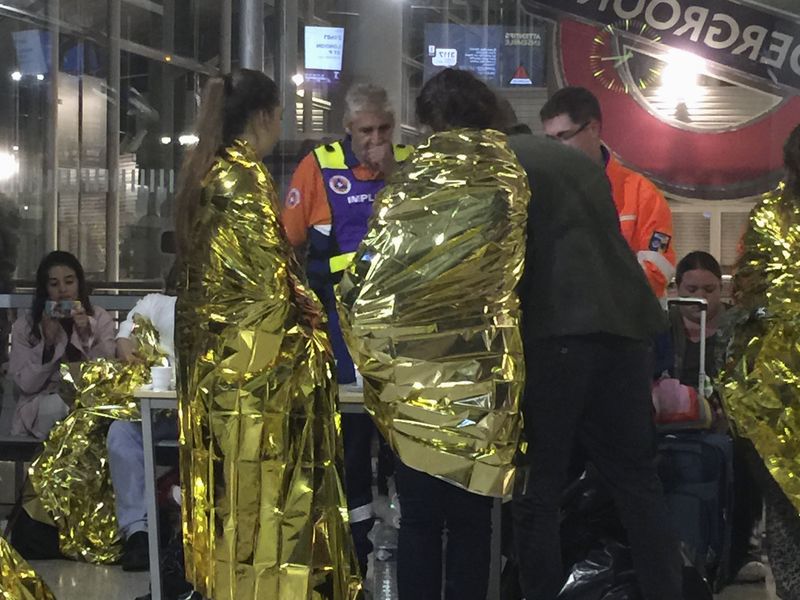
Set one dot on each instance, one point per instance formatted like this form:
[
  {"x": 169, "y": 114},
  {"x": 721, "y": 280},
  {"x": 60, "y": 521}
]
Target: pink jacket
[{"x": 34, "y": 378}]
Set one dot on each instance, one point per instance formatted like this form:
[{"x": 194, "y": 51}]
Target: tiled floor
[{"x": 78, "y": 581}]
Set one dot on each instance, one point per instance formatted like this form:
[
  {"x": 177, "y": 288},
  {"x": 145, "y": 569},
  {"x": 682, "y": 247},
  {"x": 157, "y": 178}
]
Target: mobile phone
[{"x": 60, "y": 309}]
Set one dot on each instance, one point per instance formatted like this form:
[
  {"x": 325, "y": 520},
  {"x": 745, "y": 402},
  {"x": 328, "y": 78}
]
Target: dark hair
[
  {"x": 791, "y": 160},
  {"x": 697, "y": 260},
  {"x": 57, "y": 258},
  {"x": 227, "y": 105},
  {"x": 508, "y": 122},
  {"x": 454, "y": 98},
  {"x": 578, "y": 103}
]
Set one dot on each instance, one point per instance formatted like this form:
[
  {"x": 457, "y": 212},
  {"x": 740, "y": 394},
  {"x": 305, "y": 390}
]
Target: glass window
[
  {"x": 55, "y": 125},
  {"x": 706, "y": 129}
]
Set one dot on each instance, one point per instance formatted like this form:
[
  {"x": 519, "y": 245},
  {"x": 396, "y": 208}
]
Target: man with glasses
[{"x": 573, "y": 116}]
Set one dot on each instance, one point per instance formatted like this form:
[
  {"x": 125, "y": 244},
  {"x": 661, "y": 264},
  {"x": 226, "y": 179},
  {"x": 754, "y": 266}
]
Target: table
[
  {"x": 351, "y": 400},
  {"x": 152, "y": 402}
]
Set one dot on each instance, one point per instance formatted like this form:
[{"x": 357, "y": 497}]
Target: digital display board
[
  {"x": 501, "y": 56},
  {"x": 324, "y": 47}
]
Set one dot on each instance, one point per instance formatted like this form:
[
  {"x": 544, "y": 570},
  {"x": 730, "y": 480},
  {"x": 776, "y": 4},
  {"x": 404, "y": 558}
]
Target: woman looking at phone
[{"x": 62, "y": 327}]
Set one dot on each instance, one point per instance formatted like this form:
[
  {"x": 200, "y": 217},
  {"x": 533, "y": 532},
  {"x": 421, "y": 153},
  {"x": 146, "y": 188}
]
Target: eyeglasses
[{"x": 566, "y": 136}]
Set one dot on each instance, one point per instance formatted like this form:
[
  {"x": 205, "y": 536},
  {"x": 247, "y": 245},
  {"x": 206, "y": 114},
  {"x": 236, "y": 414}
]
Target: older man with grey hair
[{"x": 325, "y": 214}]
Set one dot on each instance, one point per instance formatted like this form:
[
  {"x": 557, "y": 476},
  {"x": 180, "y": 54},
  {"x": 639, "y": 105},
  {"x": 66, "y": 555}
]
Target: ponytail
[
  {"x": 199, "y": 160},
  {"x": 228, "y": 103}
]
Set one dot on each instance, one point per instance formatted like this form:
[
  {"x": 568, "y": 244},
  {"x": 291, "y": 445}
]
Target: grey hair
[{"x": 366, "y": 97}]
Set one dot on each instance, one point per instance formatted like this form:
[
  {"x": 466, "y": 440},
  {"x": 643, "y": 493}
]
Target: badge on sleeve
[
  {"x": 659, "y": 242},
  {"x": 292, "y": 198}
]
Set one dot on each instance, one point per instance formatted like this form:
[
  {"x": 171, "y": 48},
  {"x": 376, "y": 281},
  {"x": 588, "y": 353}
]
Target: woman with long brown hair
[{"x": 263, "y": 505}]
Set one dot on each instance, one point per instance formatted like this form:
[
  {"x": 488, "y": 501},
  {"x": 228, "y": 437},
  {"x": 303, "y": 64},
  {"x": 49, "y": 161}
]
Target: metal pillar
[
  {"x": 112, "y": 140},
  {"x": 50, "y": 199},
  {"x": 308, "y": 95},
  {"x": 166, "y": 94},
  {"x": 286, "y": 50},
  {"x": 251, "y": 34},
  {"x": 226, "y": 35}
]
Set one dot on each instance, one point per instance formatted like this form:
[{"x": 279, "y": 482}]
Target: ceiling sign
[{"x": 754, "y": 42}]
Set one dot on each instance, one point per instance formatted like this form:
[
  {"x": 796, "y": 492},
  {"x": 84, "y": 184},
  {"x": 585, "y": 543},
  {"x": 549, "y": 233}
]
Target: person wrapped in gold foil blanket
[
  {"x": 761, "y": 382},
  {"x": 263, "y": 505},
  {"x": 18, "y": 581},
  {"x": 430, "y": 313},
  {"x": 70, "y": 478}
]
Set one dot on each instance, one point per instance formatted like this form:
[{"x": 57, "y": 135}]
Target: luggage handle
[{"x": 702, "y": 304}]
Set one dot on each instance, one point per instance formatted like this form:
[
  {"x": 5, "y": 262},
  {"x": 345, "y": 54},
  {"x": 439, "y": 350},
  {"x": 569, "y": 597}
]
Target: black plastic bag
[{"x": 607, "y": 574}]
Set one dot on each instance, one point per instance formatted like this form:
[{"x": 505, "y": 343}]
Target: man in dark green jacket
[{"x": 588, "y": 318}]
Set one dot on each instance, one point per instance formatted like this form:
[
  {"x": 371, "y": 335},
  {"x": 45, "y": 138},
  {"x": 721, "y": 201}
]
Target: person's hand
[
  {"x": 51, "y": 330},
  {"x": 381, "y": 158},
  {"x": 82, "y": 325},
  {"x": 310, "y": 313},
  {"x": 126, "y": 352},
  {"x": 670, "y": 397}
]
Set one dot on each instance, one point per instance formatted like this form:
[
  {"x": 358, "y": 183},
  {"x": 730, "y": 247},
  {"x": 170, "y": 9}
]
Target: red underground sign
[{"x": 762, "y": 48}]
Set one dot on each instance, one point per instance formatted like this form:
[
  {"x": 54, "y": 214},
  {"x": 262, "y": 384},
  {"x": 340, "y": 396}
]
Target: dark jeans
[
  {"x": 429, "y": 507},
  {"x": 594, "y": 390}
]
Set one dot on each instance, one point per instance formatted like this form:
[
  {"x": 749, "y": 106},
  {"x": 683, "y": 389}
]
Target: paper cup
[{"x": 161, "y": 377}]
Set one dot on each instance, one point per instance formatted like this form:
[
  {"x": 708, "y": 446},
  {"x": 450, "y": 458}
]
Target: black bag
[
  {"x": 595, "y": 552},
  {"x": 696, "y": 470},
  {"x": 33, "y": 539}
]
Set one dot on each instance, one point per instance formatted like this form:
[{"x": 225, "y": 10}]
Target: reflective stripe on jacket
[{"x": 646, "y": 223}]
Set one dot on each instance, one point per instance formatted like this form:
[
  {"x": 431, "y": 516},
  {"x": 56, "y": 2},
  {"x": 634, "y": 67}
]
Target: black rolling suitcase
[{"x": 696, "y": 470}]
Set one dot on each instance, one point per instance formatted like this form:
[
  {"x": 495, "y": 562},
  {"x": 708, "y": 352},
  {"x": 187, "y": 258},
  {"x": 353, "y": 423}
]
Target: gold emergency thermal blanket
[
  {"x": 71, "y": 476},
  {"x": 18, "y": 581},
  {"x": 761, "y": 384},
  {"x": 264, "y": 509},
  {"x": 430, "y": 313}
]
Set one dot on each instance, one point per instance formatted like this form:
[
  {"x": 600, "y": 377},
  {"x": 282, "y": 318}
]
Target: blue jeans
[
  {"x": 126, "y": 463},
  {"x": 430, "y": 507}
]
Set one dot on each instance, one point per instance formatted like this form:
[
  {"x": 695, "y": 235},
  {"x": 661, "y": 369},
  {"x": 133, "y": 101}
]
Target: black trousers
[
  {"x": 596, "y": 390},
  {"x": 357, "y": 433},
  {"x": 429, "y": 507}
]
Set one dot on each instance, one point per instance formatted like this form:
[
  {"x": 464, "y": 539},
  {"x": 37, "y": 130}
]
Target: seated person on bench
[
  {"x": 61, "y": 328},
  {"x": 124, "y": 441},
  {"x": 678, "y": 354}
]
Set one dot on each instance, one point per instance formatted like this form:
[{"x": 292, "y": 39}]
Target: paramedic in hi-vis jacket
[
  {"x": 326, "y": 212},
  {"x": 573, "y": 116}
]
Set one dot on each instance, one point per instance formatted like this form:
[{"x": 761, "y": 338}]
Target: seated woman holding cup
[{"x": 61, "y": 328}]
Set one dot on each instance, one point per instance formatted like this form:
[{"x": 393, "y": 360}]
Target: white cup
[{"x": 161, "y": 377}]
